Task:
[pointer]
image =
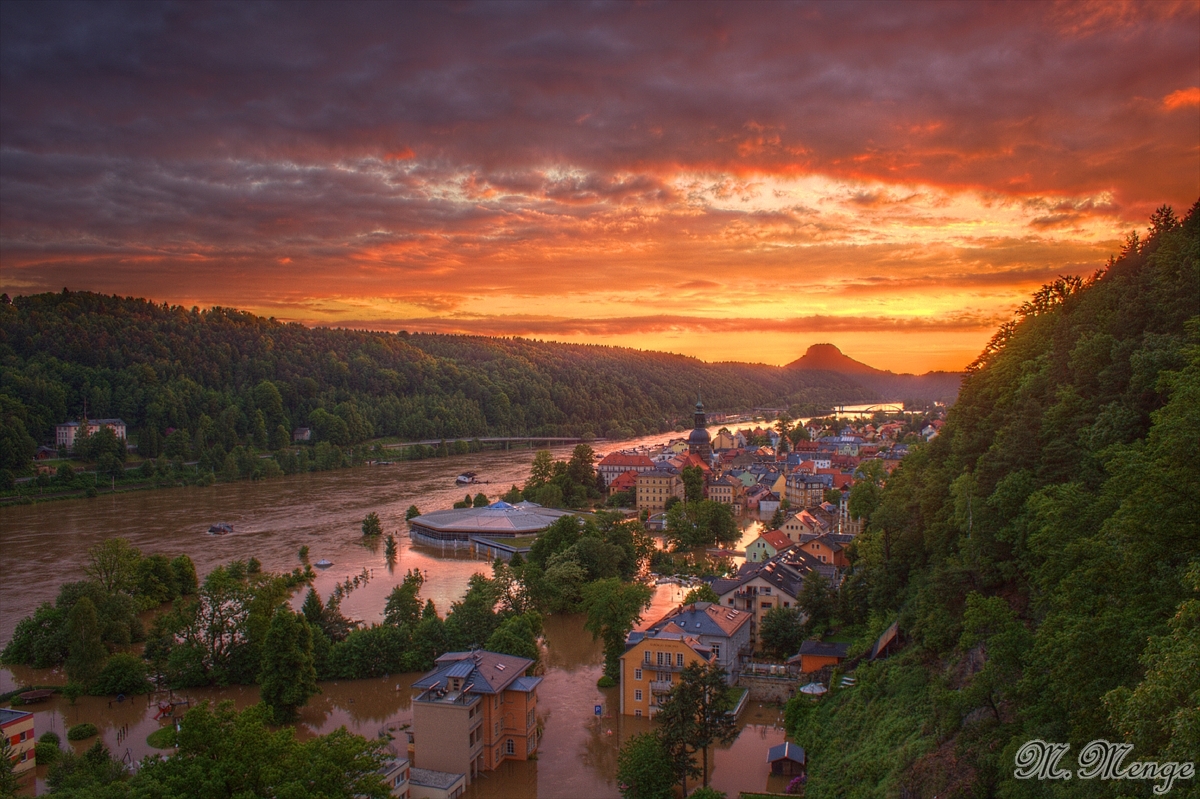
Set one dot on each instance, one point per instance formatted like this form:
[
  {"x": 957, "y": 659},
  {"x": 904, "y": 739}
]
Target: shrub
[
  {"x": 50, "y": 737},
  {"x": 82, "y": 731},
  {"x": 45, "y": 752},
  {"x": 606, "y": 682},
  {"x": 122, "y": 674}
]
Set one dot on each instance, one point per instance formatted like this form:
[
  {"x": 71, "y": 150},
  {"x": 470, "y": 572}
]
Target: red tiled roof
[
  {"x": 777, "y": 539},
  {"x": 622, "y": 459},
  {"x": 624, "y": 480}
]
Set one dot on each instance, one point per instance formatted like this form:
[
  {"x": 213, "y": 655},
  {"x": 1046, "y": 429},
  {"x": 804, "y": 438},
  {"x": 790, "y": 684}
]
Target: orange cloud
[{"x": 1182, "y": 98}]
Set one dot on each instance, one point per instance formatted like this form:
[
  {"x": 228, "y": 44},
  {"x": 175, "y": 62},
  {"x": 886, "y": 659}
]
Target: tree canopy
[{"x": 1040, "y": 554}]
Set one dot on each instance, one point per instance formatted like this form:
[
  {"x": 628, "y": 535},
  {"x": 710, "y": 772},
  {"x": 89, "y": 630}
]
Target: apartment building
[
  {"x": 474, "y": 711},
  {"x": 651, "y": 666},
  {"x": 656, "y": 487},
  {"x": 17, "y": 727}
]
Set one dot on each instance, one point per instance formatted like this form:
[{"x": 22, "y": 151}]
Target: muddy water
[
  {"x": 43, "y": 546},
  {"x": 578, "y": 755}
]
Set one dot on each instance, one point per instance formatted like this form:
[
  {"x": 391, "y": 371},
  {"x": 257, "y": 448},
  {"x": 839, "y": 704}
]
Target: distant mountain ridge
[{"x": 932, "y": 386}]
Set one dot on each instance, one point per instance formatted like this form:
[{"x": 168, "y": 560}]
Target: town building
[
  {"x": 815, "y": 655},
  {"x": 759, "y": 587},
  {"x": 806, "y": 490},
  {"x": 767, "y": 546},
  {"x": 66, "y": 433},
  {"x": 17, "y": 728},
  {"x": 827, "y": 549},
  {"x": 726, "y": 490},
  {"x": 801, "y": 524},
  {"x": 626, "y": 481},
  {"x": 614, "y": 464},
  {"x": 474, "y": 711},
  {"x": 651, "y": 666},
  {"x": 725, "y": 631},
  {"x": 394, "y": 773},
  {"x": 429, "y": 784},
  {"x": 656, "y": 487}
]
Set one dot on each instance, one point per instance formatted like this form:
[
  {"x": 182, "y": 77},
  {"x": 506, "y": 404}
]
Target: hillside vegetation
[
  {"x": 1042, "y": 555},
  {"x": 226, "y": 378}
]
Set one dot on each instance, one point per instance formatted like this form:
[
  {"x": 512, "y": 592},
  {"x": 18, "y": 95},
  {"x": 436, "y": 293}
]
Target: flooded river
[{"x": 45, "y": 545}]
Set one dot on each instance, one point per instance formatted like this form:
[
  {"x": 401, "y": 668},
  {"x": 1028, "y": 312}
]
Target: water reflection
[{"x": 324, "y": 511}]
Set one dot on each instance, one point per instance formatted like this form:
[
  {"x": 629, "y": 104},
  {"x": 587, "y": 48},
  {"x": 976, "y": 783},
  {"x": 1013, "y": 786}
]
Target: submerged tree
[
  {"x": 612, "y": 609},
  {"x": 288, "y": 677}
]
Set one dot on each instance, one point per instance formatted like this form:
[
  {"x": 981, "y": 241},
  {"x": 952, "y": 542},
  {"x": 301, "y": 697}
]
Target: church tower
[{"x": 699, "y": 441}]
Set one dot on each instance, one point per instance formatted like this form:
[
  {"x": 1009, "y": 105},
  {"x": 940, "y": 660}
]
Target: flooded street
[
  {"x": 45, "y": 545},
  {"x": 578, "y": 754}
]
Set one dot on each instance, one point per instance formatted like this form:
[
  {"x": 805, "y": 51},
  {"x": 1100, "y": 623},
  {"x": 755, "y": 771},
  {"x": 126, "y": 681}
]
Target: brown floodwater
[{"x": 45, "y": 545}]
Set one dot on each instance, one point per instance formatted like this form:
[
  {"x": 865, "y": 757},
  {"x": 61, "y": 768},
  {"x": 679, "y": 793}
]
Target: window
[
  {"x": 637, "y": 695},
  {"x": 647, "y": 658},
  {"x": 766, "y": 604},
  {"x": 637, "y": 674},
  {"x": 509, "y": 747},
  {"x": 678, "y": 658},
  {"x": 660, "y": 657},
  {"x": 787, "y": 604},
  {"x": 497, "y": 728},
  {"x": 716, "y": 648},
  {"x": 767, "y": 590},
  {"x": 638, "y": 712}
]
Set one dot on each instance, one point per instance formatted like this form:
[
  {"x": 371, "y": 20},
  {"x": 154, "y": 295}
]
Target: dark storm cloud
[{"x": 424, "y": 151}]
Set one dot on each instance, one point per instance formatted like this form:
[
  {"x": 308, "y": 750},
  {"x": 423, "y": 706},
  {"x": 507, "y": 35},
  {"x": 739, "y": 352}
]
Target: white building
[{"x": 65, "y": 433}]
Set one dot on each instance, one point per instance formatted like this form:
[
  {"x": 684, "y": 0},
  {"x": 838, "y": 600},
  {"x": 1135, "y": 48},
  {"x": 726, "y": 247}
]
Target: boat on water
[
  {"x": 466, "y": 478},
  {"x": 221, "y": 528},
  {"x": 323, "y": 564}
]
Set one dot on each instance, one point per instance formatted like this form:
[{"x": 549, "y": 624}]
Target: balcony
[{"x": 661, "y": 686}]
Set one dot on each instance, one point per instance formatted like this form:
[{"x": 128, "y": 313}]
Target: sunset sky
[{"x": 730, "y": 181}]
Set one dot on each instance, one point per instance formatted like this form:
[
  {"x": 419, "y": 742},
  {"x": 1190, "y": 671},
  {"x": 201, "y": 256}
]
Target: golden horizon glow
[{"x": 724, "y": 182}]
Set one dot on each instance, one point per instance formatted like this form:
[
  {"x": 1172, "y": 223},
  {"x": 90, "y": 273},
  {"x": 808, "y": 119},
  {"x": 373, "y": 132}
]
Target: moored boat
[
  {"x": 221, "y": 528},
  {"x": 323, "y": 564},
  {"x": 466, "y": 478}
]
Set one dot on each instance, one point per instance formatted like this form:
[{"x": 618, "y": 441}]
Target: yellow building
[
  {"x": 656, "y": 487},
  {"x": 802, "y": 525},
  {"x": 725, "y": 490},
  {"x": 651, "y": 666}
]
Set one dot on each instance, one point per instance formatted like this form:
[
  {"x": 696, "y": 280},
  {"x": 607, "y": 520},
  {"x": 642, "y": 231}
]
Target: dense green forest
[
  {"x": 1042, "y": 555},
  {"x": 220, "y": 378}
]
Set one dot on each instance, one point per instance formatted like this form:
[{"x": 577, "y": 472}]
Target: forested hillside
[
  {"x": 1042, "y": 555},
  {"x": 224, "y": 378}
]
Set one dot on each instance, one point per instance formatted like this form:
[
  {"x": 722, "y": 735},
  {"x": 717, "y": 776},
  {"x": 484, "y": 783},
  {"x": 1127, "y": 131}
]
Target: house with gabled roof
[
  {"x": 626, "y": 481},
  {"x": 767, "y": 546},
  {"x": 726, "y": 631},
  {"x": 757, "y": 588}
]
